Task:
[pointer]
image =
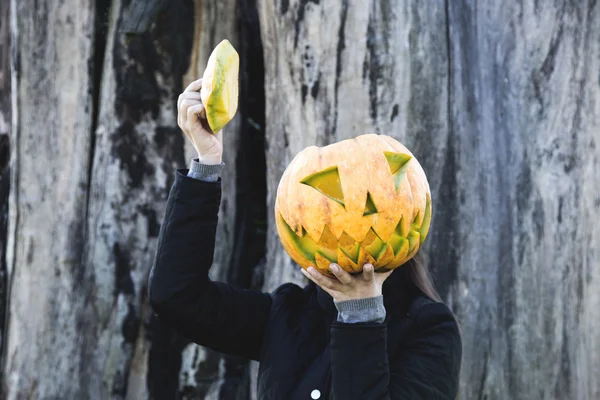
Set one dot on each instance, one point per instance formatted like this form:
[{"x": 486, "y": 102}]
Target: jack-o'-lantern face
[{"x": 358, "y": 201}]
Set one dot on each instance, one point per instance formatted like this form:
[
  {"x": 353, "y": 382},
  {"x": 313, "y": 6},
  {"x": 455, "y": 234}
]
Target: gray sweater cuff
[
  {"x": 361, "y": 310},
  {"x": 204, "y": 172}
]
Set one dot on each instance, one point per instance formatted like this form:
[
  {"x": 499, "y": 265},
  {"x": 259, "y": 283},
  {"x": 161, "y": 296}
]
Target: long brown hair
[{"x": 417, "y": 272}]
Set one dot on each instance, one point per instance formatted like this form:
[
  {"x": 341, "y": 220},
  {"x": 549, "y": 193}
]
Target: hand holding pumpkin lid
[
  {"x": 220, "y": 86},
  {"x": 358, "y": 201}
]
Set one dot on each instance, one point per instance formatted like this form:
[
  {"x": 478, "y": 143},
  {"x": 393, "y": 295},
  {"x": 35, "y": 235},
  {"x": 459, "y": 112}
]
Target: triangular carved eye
[
  {"x": 369, "y": 206},
  {"x": 327, "y": 182},
  {"x": 398, "y": 163}
]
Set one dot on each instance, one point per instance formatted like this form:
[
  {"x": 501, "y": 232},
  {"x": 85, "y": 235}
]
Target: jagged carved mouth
[{"x": 372, "y": 249}]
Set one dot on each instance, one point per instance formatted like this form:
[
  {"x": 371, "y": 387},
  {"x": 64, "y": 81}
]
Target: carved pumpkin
[{"x": 358, "y": 201}]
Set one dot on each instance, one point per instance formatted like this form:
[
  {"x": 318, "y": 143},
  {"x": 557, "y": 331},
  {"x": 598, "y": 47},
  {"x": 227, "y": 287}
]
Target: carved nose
[{"x": 369, "y": 206}]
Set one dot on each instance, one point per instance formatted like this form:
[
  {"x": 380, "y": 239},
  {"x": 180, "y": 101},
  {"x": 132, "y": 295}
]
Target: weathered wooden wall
[
  {"x": 5, "y": 122},
  {"x": 137, "y": 147},
  {"x": 91, "y": 173},
  {"x": 525, "y": 108},
  {"x": 50, "y": 158},
  {"x": 122, "y": 148},
  {"x": 501, "y": 104}
]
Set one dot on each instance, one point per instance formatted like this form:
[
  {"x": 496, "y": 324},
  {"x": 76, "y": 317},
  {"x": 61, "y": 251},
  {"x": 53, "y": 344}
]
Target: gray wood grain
[
  {"x": 499, "y": 102},
  {"x": 139, "y": 16},
  {"x": 138, "y": 147},
  {"x": 50, "y": 139},
  {"x": 525, "y": 119},
  {"x": 5, "y": 122}
]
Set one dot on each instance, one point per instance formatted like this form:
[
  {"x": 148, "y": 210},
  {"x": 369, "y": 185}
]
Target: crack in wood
[
  {"x": 341, "y": 45},
  {"x": 300, "y": 17},
  {"x": 5, "y": 122}
]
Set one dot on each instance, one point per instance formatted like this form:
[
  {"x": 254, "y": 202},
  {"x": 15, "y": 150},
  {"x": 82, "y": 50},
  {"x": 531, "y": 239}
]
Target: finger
[
  {"x": 332, "y": 293},
  {"x": 204, "y": 122},
  {"x": 368, "y": 272},
  {"x": 194, "y": 86},
  {"x": 307, "y": 275},
  {"x": 184, "y": 108},
  {"x": 339, "y": 273},
  {"x": 324, "y": 281},
  {"x": 310, "y": 278},
  {"x": 188, "y": 96},
  {"x": 193, "y": 113}
]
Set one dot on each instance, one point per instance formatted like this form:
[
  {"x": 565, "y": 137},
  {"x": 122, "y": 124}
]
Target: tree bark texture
[
  {"x": 137, "y": 147},
  {"x": 92, "y": 172},
  {"x": 525, "y": 114},
  {"x": 122, "y": 171},
  {"x": 501, "y": 105},
  {"x": 499, "y": 102},
  {"x": 51, "y": 141},
  {"x": 5, "y": 122}
]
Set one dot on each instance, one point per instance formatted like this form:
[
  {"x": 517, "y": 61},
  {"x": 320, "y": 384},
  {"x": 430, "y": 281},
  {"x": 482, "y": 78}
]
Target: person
[{"x": 363, "y": 336}]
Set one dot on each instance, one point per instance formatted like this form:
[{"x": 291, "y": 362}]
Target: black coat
[{"x": 415, "y": 354}]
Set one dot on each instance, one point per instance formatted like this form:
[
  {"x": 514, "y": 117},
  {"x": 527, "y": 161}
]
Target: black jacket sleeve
[
  {"x": 212, "y": 314},
  {"x": 426, "y": 366}
]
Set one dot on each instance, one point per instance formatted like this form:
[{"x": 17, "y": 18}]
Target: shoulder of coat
[{"x": 418, "y": 304}]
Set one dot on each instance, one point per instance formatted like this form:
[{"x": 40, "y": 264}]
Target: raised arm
[{"x": 213, "y": 314}]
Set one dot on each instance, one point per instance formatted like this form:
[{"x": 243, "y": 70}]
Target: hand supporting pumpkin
[{"x": 349, "y": 286}]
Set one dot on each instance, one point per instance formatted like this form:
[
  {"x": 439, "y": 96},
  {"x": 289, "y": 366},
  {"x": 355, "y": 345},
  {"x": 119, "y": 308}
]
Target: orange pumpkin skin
[{"x": 358, "y": 201}]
